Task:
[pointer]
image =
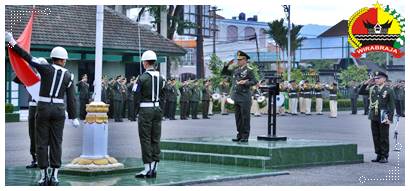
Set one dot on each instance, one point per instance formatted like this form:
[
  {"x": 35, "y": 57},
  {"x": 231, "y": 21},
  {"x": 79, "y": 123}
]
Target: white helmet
[
  {"x": 59, "y": 52},
  {"x": 149, "y": 55}
]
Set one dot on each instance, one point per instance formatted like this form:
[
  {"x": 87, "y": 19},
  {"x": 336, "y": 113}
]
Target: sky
[{"x": 322, "y": 12}]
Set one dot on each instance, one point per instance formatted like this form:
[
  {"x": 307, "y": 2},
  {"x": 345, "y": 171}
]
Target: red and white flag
[{"x": 22, "y": 69}]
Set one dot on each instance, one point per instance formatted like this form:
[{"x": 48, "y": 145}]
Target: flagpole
[{"x": 94, "y": 154}]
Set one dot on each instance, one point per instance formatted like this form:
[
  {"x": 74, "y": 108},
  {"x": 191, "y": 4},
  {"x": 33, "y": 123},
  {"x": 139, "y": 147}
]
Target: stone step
[{"x": 214, "y": 158}]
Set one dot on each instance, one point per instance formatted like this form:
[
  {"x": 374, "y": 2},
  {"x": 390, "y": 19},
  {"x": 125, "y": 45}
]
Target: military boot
[
  {"x": 54, "y": 177},
  {"x": 145, "y": 173},
  {"x": 43, "y": 177},
  {"x": 154, "y": 167}
]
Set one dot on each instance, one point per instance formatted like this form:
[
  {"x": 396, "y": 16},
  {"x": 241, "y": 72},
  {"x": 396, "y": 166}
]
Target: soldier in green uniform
[
  {"x": 172, "y": 99},
  {"x": 381, "y": 113},
  {"x": 110, "y": 97},
  {"x": 84, "y": 90},
  {"x": 194, "y": 99},
  {"x": 206, "y": 97},
  {"x": 149, "y": 89},
  {"x": 184, "y": 100},
  {"x": 319, "y": 97},
  {"x": 117, "y": 97},
  {"x": 131, "y": 100},
  {"x": 243, "y": 80}
]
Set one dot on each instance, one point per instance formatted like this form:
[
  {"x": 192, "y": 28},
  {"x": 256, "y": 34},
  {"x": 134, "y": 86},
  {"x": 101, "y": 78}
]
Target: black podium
[{"x": 272, "y": 87}]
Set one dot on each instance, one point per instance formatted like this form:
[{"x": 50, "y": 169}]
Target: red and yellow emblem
[{"x": 376, "y": 29}]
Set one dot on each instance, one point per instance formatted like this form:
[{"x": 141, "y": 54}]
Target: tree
[
  {"x": 295, "y": 39},
  {"x": 175, "y": 21},
  {"x": 353, "y": 73},
  {"x": 278, "y": 32}
]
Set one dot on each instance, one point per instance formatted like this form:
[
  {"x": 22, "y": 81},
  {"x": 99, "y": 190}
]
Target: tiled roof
[
  {"x": 340, "y": 29},
  {"x": 74, "y": 26}
]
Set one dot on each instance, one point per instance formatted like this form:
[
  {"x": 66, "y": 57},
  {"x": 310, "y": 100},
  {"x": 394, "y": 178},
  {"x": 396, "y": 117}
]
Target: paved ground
[{"x": 124, "y": 142}]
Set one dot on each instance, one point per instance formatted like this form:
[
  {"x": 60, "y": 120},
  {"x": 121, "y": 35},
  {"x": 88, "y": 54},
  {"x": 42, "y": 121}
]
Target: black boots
[
  {"x": 380, "y": 159},
  {"x": 32, "y": 165}
]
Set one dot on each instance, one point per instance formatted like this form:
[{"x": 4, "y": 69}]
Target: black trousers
[
  {"x": 166, "y": 109},
  {"x": 172, "y": 107},
  {"x": 49, "y": 134},
  {"x": 399, "y": 107},
  {"x": 32, "y": 131},
  {"x": 131, "y": 110},
  {"x": 205, "y": 108},
  {"x": 243, "y": 119},
  {"x": 111, "y": 109},
  {"x": 184, "y": 109},
  {"x": 353, "y": 104},
  {"x": 194, "y": 109},
  {"x": 366, "y": 104},
  {"x": 83, "y": 103},
  {"x": 118, "y": 104},
  {"x": 380, "y": 134},
  {"x": 124, "y": 108}
]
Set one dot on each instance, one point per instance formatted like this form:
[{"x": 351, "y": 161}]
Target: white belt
[
  {"x": 332, "y": 94},
  {"x": 50, "y": 100},
  {"x": 149, "y": 104},
  {"x": 292, "y": 93},
  {"x": 32, "y": 103}
]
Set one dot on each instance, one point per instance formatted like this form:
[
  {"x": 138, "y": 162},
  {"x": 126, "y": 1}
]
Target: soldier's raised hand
[{"x": 9, "y": 38}]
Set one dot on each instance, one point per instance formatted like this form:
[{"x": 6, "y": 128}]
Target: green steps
[{"x": 260, "y": 154}]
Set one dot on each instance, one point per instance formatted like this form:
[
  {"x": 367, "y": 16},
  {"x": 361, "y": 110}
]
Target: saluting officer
[
  {"x": 194, "y": 99},
  {"x": 131, "y": 100},
  {"x": 172, "y": 99},
  {"x": 381, "y": 113},
  {"x": 118, "y": 99},
  {"x": 244, "y": 79},
  {"x": 184, "y": 100},
  {"x": 149, "y": 89},
  {"x": 56, "y": 82},
  {"x": 206, "y": 97},
  {"x": 84, "y": 90}
]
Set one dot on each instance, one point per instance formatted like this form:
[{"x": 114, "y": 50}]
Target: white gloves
[
  {"x": 75, "y": 122},
  {"x": 10, "y": 39}
]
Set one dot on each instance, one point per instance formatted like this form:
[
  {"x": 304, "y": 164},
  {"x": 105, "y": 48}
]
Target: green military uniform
[
  {"x": 381, "y": 100},
  {"x": 184, "y": 100},
  {"x": 110, "y": 99},
  {"x": 118, "y": 101},
  {"x": 194, "y": 101},
  {"x": 131, "y": 103},
  {"x": 84, "y": 90},
  {"x": 149, "y": 89},
  {"x": 206, "y": 97},
  {"x": 172, "y": 101},
  {"x": 165, "y": 101},
  {"x": 241, "y": 94}
]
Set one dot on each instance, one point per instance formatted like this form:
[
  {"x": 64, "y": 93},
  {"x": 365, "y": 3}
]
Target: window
[
  {"x": 249, "y": 33},
  {"x": 232, "y": 33},
  {"x": 262, "y": 38}
]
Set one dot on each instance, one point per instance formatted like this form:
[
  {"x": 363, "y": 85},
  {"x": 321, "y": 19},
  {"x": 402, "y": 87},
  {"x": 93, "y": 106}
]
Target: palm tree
[
  {"x": 277, "y": 31},
  {"x": 295, "y": 39}
]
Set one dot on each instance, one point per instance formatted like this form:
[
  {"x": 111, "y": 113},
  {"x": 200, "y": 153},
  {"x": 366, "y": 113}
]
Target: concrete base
[{"x": 87, "y": 165}]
